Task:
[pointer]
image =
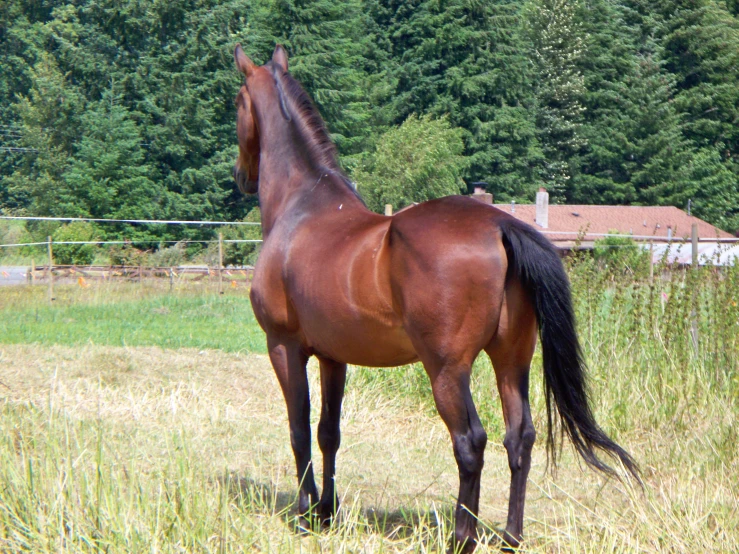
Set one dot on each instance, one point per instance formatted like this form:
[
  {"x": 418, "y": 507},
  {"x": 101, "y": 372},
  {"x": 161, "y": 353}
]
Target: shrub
[
  {"x": 621, "y": 255},
  {"x": 75, "y": 254},
  {"x": 242, "y": 253},
  {"x": 128, "y": 255},
  {"x": 174, "y": 256}
]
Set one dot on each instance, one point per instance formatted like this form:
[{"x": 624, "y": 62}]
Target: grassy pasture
[
  {"x": 120, "y": 314},
  {"x": 138, "y": 420}
]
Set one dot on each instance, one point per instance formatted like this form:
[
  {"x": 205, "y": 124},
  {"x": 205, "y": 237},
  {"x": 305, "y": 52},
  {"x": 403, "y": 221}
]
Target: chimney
[
  {"x": 480, "y": 192},
  {"x": 542, "y": 208}
]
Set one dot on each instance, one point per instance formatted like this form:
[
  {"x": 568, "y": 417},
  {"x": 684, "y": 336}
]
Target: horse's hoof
[
  {"x": 303, "y": 526},
  {"x": 327, "y": 513},
  {"x": 462, "y": 545},
  {"x": 509, "y": 543}
]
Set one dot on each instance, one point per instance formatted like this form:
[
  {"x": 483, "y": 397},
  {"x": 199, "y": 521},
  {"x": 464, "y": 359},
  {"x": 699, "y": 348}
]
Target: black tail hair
[{"x": 535, "y": 262}]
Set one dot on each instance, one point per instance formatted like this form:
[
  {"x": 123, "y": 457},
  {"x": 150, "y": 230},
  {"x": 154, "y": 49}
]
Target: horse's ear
[
  {"x": 243, "y": 63},
  {"x": 280, "y": 56}
]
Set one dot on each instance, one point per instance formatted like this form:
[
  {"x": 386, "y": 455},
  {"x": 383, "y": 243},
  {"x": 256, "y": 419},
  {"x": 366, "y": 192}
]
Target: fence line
[
  {"x": 134, "y": 241},
  {"x": 647, "y": 238},
  {"x": 141, "y": 221},
  {"x": 584, "y": 235},
  {"x": 49, "y": 269}
]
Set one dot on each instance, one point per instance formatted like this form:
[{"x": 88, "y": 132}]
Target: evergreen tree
[
  {"x": 49, "y": 127},
  {"x": 712, "y": 189},
  {"x": 656, "y": 149},
  {"x": 633, "y": 132},
  {"x": 324, "y": 42},
  {"x": 558, "y": 43},
  {"x": 108, "y": 176},
  {"x": 467, "y": 60},
  {"x": 702, "y": 50}
]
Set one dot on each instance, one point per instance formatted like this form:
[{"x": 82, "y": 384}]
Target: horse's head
[{"x": 246, "y": 170}]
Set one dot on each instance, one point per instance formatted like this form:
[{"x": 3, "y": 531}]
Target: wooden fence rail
[{"x": 38, "y": 273}]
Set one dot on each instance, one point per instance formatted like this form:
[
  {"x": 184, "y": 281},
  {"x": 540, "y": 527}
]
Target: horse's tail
[{"x": 536, "y": 263}]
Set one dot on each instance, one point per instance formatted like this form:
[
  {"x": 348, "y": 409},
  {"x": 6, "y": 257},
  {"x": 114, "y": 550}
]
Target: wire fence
[
  {"x": 718, "y": 251},
  {"x": 52, "y": 271},
  {"x": 133, "y": 221}
]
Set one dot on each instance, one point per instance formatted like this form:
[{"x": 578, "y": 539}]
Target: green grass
[{"x": 190, "y": 319}]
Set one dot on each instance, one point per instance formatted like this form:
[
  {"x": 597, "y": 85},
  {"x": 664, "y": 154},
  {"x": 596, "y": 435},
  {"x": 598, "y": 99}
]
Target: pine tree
[
  {"x": 467, "y": 60},
  {"x": 324, "y": 43},
  {"x": 558, "y": 43},
  {"x": 108, "y": 177},
  {"x": 702, "y": 49},
  {"x": 49, "y": 126}
]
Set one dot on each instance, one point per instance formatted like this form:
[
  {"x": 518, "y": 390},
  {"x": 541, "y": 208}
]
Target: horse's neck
[{"x": 282, "y": 185}]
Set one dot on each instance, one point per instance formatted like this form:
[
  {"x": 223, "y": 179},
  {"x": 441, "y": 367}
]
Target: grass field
[
  {"x": 121, "y": 314},
  {"x": 138, "y": 420}
]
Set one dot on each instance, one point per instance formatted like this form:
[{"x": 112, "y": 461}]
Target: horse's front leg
[
  {"x": 333, "y": 378},
  {"x": 289, "y": 361}
]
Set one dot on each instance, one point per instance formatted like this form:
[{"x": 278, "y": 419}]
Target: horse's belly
[{"x": 364, "y": 344}]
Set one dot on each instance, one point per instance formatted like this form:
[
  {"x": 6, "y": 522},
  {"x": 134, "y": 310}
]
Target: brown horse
[{"x": 438, "y": 282}]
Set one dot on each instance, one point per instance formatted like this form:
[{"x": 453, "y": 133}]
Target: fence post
[
  {"x": 51, "y": 272},
  {"x": 388, "y": 209},
  {"x": 694, "y": 240},
  {"x": 171, "y": 279},
  {"x": 33, "y": 272},
  {"x": 694, "y": 312},
  {"x": 220, "y": 263},
  {"x": 651, "y": 262}
]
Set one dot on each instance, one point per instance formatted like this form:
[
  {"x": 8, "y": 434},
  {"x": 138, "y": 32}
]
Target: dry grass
[{"x": 144, "y": 449}]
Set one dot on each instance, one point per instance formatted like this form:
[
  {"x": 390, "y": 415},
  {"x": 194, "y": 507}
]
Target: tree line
[{"x": 124, "y": 108}]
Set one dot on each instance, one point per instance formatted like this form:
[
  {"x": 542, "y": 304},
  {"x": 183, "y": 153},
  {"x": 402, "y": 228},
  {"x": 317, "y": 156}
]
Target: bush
[
  {"x": 169, "y": 257},
  {"x": 128, "y": 255},
  {"x": 621, "y": 255},
  {"x": 75, "y": 254},
  {"x": 243, "y": 253}
]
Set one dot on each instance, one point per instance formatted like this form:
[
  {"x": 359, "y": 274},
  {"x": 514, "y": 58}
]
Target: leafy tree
[{"x": 417, "y": 161}]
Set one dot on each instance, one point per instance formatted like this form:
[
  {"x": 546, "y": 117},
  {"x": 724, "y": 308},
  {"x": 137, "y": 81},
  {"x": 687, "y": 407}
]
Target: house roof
[{"x": 567, "y": 221}]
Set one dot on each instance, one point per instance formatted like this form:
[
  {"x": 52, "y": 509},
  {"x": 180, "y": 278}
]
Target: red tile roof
[{"x": 565, "y": 221}]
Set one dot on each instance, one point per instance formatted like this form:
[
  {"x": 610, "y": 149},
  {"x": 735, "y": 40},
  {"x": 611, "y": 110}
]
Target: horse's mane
[{"x": 308, "y": 121}]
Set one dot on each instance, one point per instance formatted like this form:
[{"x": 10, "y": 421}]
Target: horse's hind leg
[
  {"x": 519, "y": 440},
  {"x": 511, "y": 352},
  {"x": 289, "y": 362},
  {"x": 333, "y": 378},
  {"x": 451, "y": 387}
]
